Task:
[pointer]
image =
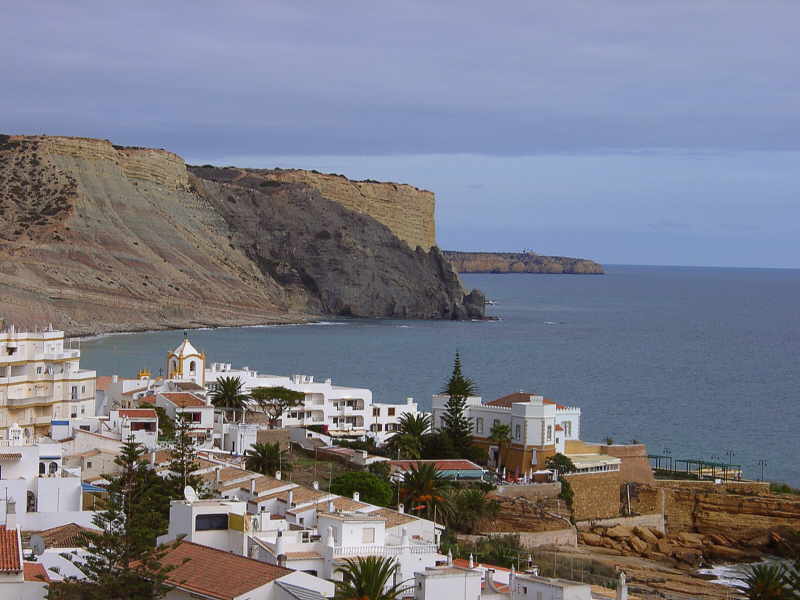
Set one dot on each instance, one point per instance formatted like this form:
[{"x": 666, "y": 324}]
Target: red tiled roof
[
  {"x": 103, "y": 382},
  {"x": 443, "y": 465},
  {"x": 215, "y": 573},
  {"x": 510, "y": 399},
  {"x": 35, "y": 572},
  {"x": 559, "y": 428},
  {"x": 10, "y": 559},
  {"x": 138, "y": 413},
  {"x": 64, "y": 536},
  {"x": 183, "y": 399}
]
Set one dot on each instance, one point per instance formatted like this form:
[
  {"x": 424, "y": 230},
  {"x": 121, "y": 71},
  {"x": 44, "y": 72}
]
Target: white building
[
  {"x": 197, "y": 410},
  {"x": 41, "y": 380},
  {"x": 139, "y": 423},
  {"x": 539, "y": 427},
  {"x": 343, "y": 410}
]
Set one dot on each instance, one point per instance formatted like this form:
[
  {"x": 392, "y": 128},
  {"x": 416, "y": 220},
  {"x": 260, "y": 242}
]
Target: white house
[
  {"x": 539, "y": 427},
  {"x": 139, "y": 423},
  {"x": 41, "y": 380},
  {"x": 195, "y": 409},
  {"x": 343, "y": 410}
]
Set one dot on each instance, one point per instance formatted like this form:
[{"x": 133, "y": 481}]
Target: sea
[{"x": 697, "y": 363}]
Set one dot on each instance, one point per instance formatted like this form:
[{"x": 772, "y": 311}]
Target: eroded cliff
[
  {"x": 96, "y": 237},
  {"x": 521, "y": 262}
]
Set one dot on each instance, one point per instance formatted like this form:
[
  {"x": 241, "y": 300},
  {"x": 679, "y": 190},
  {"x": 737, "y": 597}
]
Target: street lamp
[{"x": 762, "y": 463}]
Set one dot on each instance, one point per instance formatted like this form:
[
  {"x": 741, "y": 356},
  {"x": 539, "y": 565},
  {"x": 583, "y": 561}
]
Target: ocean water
[{"x": 699, "y": 361}]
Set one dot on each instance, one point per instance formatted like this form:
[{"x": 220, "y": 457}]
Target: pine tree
[
  {"x": 184, "y": 461},
  {"x": 122, "y": 561},
  {"x": 455, "y": 426}
]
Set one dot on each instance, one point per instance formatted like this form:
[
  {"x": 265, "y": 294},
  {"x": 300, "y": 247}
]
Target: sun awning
[{"x": 10, "y": 456}]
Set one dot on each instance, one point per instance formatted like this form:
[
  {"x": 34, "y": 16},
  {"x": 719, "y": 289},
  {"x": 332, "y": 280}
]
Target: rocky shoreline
[{"x": 521, "y": 262}]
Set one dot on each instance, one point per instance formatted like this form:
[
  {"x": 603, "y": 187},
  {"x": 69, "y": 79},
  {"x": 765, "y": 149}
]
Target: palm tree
[
  {"x": 267, "y": 459},
  {"x": 500, "y": 435},
  {"x": 422, "y": 490},
  {"x": 369, "y": 578},
  {"x": 409, "y": 440},
  {"x": 766, "y": 582},
  {"x": 228, "y": 395}
]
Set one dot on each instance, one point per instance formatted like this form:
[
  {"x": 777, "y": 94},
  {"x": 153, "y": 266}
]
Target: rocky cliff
[
  {"x": 96, "y": 237},
  {"x": 520, "y": 262},
  {"x": 406, "y": 210}
]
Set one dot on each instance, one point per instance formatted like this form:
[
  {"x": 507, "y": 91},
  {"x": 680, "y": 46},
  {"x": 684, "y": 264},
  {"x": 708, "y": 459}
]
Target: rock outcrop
[
  {"x": 406, "y": 210},
  {"x": 96, "y": 237},
  {"x": 520, "y": 262}
]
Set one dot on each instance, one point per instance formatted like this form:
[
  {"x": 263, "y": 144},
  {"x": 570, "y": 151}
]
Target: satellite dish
[{"x": 190, "y": 494}]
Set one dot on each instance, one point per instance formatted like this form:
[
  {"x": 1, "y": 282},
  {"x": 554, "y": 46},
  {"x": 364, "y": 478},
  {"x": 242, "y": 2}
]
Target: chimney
[
  {"x": 315, "y": 485},
  {"x": 278, "y": 475},
  {"x": 401, "y": 508},
  {"x": 290, "y": 499},
  {"x": 471, "y": 564},
  {"x": 216, "y": 474},
  {"x": 115, "y": 379},
  {"x": 11, "y": 514},
  {"x": 253, "y": 486},
  {"x": 331, "y": 507},
  {"x": 356, "y": 496},
  {"x": 153, "y": 457}
]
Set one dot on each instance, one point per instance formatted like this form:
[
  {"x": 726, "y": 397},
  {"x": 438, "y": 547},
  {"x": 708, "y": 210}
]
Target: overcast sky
[{"x": 626, "y": 131}]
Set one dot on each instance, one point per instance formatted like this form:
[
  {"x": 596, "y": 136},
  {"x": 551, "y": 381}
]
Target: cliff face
[
  {"x": 95, "y": 237},
  {"x": 527, "y": 262},
  {"x": 406, "y": 210}
]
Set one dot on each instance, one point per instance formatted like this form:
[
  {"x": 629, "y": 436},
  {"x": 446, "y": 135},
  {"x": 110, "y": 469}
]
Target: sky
[{"x": 658, "y": 132}]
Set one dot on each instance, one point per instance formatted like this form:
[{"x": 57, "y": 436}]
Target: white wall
[{"x": 56, "y": 494}]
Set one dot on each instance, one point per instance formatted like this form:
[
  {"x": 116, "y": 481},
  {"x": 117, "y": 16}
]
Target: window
[
  {"x": 192, "y": 366},
  {"x": 495, "y": 422},
  {"x": 88, "y": 464},
  {"x": 567, "y": 425},
  {"x": 518, "y": 432},
  {"x": 479, "y": 425},
  {"x": 211, "y": 522},
  {"x": 83, "y": 389},
  {"x": 376, "y": 412},
  {"x": 38, "y": 370},
  {"x": 368, "y": 535},
  {"x": 549, "y": 432},
  {"x": 85, "y": 427},
  {"x": 42, "y": 468},
  {"x": 74, "y": 392},
  {"x": 391, "y": 412}
]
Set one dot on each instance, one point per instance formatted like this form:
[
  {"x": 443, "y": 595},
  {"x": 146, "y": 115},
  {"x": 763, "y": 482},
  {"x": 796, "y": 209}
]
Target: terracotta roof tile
[
  {"x": 347, "y": 504},
  {"x": 63, "y": 536},
  {"x": 392, "y": 517},
  {"x": 35, "y": 572},
  {"x": 183, "y": 399},
  {"x": 510, "y": 399},
  {"x": 215, "y": 573},
  {"x": 442, "y": 465},
  {"x": 138, "y": 413},
  {"x": 103, "y": 382},
  {"x": 10, "y": 559}
]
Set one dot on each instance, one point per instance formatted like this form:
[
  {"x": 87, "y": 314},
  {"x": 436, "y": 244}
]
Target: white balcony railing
[{"x": 368, "y": 550}]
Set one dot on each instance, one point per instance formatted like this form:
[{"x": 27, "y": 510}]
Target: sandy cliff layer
[
  {"x": 406, "y": 210},
  {"x": 95, "y": 237},
  {"x": 512, "y": 262}
]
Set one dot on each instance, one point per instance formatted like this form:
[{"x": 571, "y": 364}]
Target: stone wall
[
  {"x": 406, "y": 210},
  {"x": 531, "y": 492},
  {"x": 654, "y": 521},
  {"x": 596, "y": 495},
  {"x": 635, "y": 464},
  {"x": 556, "y": 537}
]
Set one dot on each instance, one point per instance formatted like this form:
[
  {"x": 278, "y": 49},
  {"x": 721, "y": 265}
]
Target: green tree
[
  {"x": 409, "y": 441},
  {"x": 267, "y": 459},
  {"x": 500, "y": 435},
  {"x": 455, "y": 425},
  {"x": 183, "y": 464},
  {"x": 381, "y": 469},
  {"x": 371, "y": 488},
  {"x": 122, "y": 561},
  {"x": 563, "y": 465},
  {"x": 422, "y": 490},
  {"x": 470, "y": 508},
  {"x": 274, "y": 401},
  {"x": 166, "y": 425},
  {"x": 369, "y": 578},
  {"x": 227, "y": 395},
  {"x": 438, "y": 445}
]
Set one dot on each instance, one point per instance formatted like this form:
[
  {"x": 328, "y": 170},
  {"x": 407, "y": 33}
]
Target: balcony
[{"x": 370, "y": 550}]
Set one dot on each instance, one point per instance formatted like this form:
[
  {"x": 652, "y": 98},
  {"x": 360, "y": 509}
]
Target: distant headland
[{"x": 521, "y": 262}]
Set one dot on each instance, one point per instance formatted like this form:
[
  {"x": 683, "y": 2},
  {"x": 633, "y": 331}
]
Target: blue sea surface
[{"x": 698, "y": 361}]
